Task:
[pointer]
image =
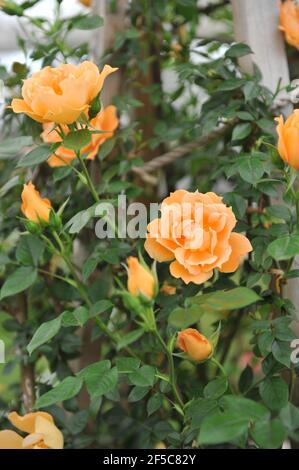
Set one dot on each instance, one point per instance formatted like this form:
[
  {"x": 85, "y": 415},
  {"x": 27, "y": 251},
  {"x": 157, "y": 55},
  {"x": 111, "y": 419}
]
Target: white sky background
[{"x": 9, "y": 27}]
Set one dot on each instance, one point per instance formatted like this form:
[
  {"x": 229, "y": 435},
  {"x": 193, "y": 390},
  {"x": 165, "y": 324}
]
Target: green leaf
[
  {"x": 284, "y": 248},
  {"x": 246, "y": 379},
  {"x": 9, "y": 148},
  {"x": 241, "y": 131},
  {"x": 154, "y": 403},
  {"x": 265, "y": 341},
  {"x": 281, "y": 350},
  {"x": 143, "y": 377},
  {"x": 238, "y": 203},
  {"x": 222, "y": 428},
  {"x": 77, "y": 317},
  {"x": 199, "y": 409},
  {"x": 229, "y": 85},
  {"x": 88, "y": 22},
  {"x": 238, "y": 50},
  {"x": 274, "y": 392},
  {"x": 266, "y": 125},
  {"x": 279, "y": 212},
  {"x": 99, "y": 307},
  {"x": 126, "y": 365},
  {"x": 77, "y": 140},
  {"x": 67, "y": 389},
  {"x": 104, "y": 383},
  {"x": 129, "y": 338},
  {"x": 106, "y": 148},
  {"x": 18, "y": 281},
  {"x": 93, "y": 371},
  {"x": 219, "y": 301},
  {"x": 289, "y": 416},
  {"x": 89, "y": 267},
  {"x": 78, "y": 422},
  {"x": 80, "y": 220},
  {"x": 29, "y": 250},
  {"x": 282, "y": 328},
  {"x": 216, "y": 388},
  {"x": 245, "y": 407},
  {"x": 137, "y": 393},
  {"x": 268, "y": 434},
  {"x": 251, "y": 91},
  {"x": 99, "y": 378},
  {"x": 36, "y": 156},
  {"x": 251, "y": 169},
  {"x": 44, "y": 333}
]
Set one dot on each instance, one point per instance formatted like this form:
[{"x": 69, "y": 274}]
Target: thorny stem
[
  {"x": 82, "y": 290},
  {"x": 88, "y": 178},
  {"x": 172, "y": 376}
]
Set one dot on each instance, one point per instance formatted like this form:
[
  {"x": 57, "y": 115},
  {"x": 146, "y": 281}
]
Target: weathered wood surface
[{"x": 256, "y": 23}]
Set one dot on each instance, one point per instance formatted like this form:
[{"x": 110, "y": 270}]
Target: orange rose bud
[
  {"x": 61, "y": 94},
  {"x": 34, "y": 207},
  {"x": 194, "y": 344},
  {"x": 106, "y": 121},
  {"x": 140, "y": 280},
  {"x": 289, "y": 22},
  {"x": 288, "y": 138}
]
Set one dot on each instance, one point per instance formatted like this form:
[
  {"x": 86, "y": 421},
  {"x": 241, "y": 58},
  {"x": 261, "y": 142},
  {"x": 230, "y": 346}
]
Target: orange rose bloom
[
  {"x": 289, "y": 22},
  {"x": 195, "y": 232},
  {"x": 140, "y": 280},
  {"x": 106, "y": 121},
  {"x": 288, "y": 139},
  {"x": 194, "y": 344},
  {"x": 86, "y": 3},
  {"x": 34, "y": 207},
  {"x": 60, "y": 94},
  {"x": 41, "y": 430}
]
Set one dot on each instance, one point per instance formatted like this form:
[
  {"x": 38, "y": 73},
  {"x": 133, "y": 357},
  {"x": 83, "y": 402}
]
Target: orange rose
[
  {"x": 194, "y": 344},
  {"x": 34, "y": 207},
  {"x": 288, "y": 138},
  {"x": 60, "y": 94},
  {"x": 106, "y": 121},
  {"x": 41, "y": 430},
  {"x": 195, "y": 233},
  {"x": 140, "y": 279},
  {"x": 289, "y": 22},
  {"x": 86, "y": 3}
]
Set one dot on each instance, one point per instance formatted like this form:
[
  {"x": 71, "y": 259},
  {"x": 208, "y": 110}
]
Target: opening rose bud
[
  {"x": 140, "y": 280},
  {"x": 42, "y": 433},
  {"x": 193, "y": 343},
  {"x": 61, "y": 94},
  {"x": 34, "y": 207},
  {"x": 289, "y": 21},
  {"x": 288, "y": 137}
]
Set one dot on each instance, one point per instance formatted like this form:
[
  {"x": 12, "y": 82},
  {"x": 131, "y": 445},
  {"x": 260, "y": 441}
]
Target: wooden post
[
  {"x": 103, "y": 39},
  {"x": 256, "y": 24}
]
